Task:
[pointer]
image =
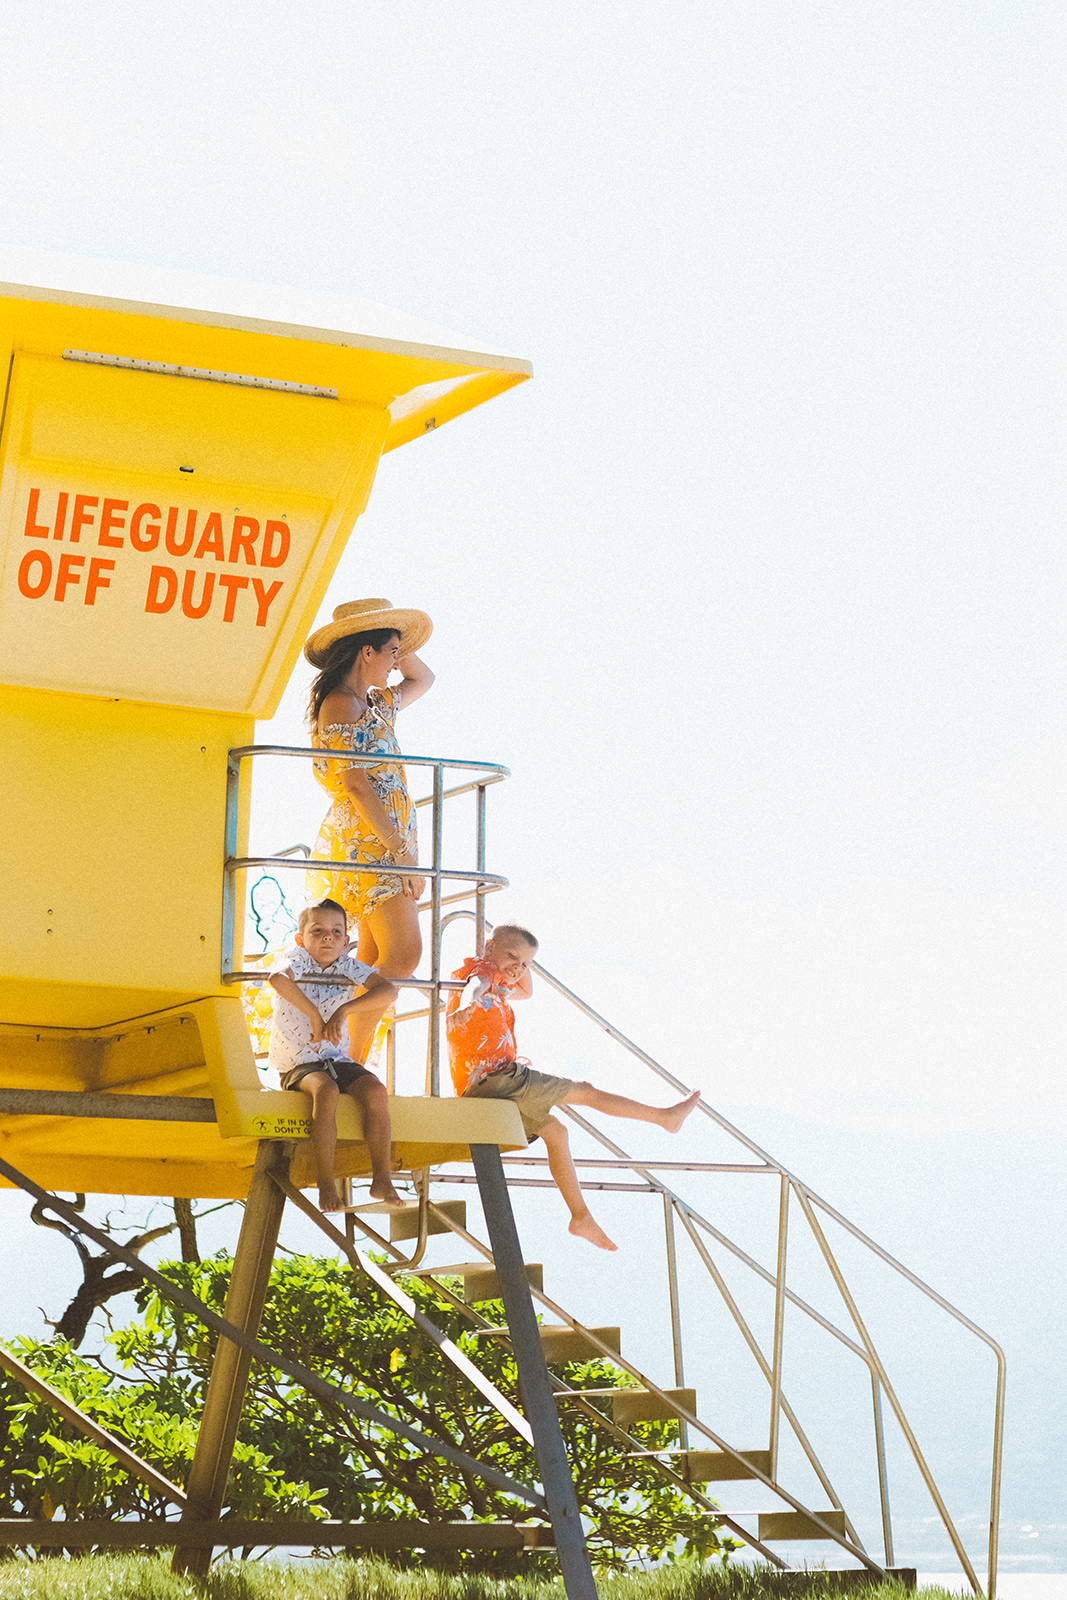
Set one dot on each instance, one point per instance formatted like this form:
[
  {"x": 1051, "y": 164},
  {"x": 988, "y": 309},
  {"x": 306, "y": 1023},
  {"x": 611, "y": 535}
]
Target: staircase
[{"x": 618, "y": 1410}]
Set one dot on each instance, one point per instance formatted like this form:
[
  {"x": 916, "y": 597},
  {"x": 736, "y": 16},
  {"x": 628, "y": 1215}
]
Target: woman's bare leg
[
  {"x": 373, "y": 1102},
  {"x": 392, "y": 932},
  {"x": 561, "y": 1167},
  {"x": 618, "y": 1105},
  {"x": 322, "y": 1091}
]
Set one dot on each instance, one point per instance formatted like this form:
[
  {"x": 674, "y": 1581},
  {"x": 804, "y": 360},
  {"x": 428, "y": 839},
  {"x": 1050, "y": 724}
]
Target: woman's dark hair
[{"x": 337, "y": 663}]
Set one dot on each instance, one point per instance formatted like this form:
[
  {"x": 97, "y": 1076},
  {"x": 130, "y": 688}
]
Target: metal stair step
[
  {"x": 483, "y": 1283},
  {"x": 454, "y": 1269},
  {"x": 562, "y": 1343},
  {"x": 480, "y": 1278},
  {"x": 405, "y": 1224},
  {"x": 716, "y": 1466},
  {"x": 641, "y": 1405},
  {"x": 790, "y": 1525}
]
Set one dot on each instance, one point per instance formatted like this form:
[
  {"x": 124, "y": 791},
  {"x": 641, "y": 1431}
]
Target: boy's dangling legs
[
  {"x": 373, "y": 1103},
  {"x": 561, "y": 1167},
  {"x": 557, "y": 1144},
  {"x": 619, "y": 1105},
  {"x": 323, "y": 1093}
]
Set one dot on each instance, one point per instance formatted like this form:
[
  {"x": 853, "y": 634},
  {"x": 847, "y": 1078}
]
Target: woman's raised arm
[{"x": 417, "y": 678}]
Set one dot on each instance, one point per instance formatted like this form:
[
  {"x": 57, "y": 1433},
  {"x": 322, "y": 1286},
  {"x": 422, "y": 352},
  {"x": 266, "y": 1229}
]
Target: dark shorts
[
  {"x": 535, "y": 1093},
  {"x": 343, "y": 1073}
]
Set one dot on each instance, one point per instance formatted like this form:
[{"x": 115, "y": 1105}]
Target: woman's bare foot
[
  {"x": 674, "y": 1116},
  {"x": 382, "y": 1189},
  {"x": 586, "y": 1228},
  {"x": 329, "y": 1198}
]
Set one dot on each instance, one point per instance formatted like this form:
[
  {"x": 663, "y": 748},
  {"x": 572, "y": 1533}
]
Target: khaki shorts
[{"x": 535, "y": 1093}]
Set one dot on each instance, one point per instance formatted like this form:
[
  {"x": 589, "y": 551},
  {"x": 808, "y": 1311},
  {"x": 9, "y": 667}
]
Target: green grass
[{"x": 140, "y": 1577}]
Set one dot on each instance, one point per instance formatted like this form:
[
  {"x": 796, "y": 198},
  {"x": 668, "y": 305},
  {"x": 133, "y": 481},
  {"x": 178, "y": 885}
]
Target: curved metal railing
[{"x": 481, "y": 882}]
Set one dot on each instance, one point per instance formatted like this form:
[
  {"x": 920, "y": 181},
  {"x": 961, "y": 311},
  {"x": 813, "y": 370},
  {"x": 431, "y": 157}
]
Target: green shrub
[{"x": 299, "y": 1457}]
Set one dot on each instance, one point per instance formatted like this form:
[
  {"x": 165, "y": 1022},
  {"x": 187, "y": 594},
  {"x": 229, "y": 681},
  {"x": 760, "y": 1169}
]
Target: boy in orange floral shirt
[{"x": 480, "y": 1029}]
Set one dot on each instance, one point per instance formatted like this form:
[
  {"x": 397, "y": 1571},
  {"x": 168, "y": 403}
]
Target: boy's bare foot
[
  {"x": 382, "y": 1189},
  {"x": 586, "y": 1228},
  {"x": 329, "y": 1198},
  {"x": 674, "y": 1116}
]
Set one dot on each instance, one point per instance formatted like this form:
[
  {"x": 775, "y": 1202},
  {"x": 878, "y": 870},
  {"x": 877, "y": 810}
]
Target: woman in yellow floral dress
[{"x": 372, "y": 817}]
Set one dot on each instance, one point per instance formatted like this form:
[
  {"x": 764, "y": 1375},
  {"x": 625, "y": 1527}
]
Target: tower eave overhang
[{"x": 423, "y": 374}]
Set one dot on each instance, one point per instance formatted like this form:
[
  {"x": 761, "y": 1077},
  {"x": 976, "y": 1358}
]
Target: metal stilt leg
[
  {"x": 206, "y": 1488},
  {"x": 538, "y": 1399}
]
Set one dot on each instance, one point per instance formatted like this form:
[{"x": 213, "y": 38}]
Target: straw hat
[{"x": 359, "y": 616}]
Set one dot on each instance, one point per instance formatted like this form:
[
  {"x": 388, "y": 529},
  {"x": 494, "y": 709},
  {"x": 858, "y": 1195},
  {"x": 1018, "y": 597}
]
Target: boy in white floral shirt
[{"x": 309, "y": 1028}]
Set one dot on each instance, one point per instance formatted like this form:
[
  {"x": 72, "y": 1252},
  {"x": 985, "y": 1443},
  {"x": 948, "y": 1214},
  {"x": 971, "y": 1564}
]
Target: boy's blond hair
[{"x": 513, "y": 930}]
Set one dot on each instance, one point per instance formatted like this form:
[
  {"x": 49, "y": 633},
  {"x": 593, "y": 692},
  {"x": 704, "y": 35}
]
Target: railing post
[
  {"x": 883, "y": 1480},
  {"x": 779, "y": 1325},
  {"x": 479, "y": 895},
  {"x": 390, "y": 1058},
  {"x": 994, "y": 1491},
  {"x": 433, "y": 1069},
  {"x": 229, "y": 875},
  {"x": 676, "y": 1310}
]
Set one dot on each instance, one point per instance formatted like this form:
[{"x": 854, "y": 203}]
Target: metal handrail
[
  {"x": 259, "y": 975},
  {"x": 333, "y": 753},
  {"x": 865, "y": 1351},
  {"x": 375, "y": 869},
  {"x": 804, "y": 1194}
]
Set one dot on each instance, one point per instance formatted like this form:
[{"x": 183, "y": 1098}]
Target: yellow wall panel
[{"x": 111, "y": 873}]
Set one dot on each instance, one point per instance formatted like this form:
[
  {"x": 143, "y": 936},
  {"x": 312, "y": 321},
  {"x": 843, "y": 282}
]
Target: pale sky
[{"x": 758, "y": 587}]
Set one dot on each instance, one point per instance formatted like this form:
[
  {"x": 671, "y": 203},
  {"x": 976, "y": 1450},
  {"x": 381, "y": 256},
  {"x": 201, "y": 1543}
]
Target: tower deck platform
[{"x": 194, "y": 1053}]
